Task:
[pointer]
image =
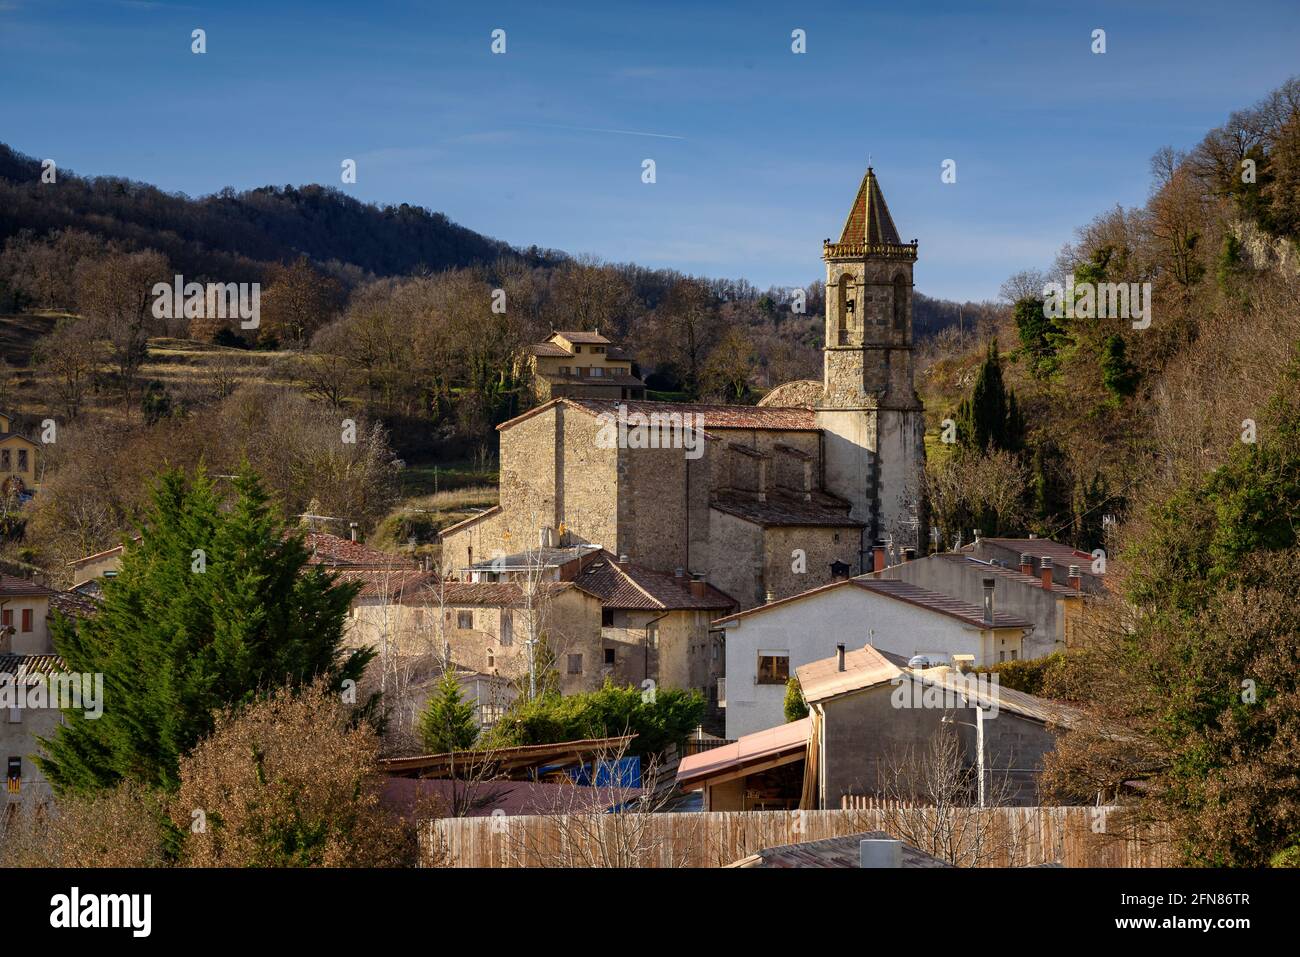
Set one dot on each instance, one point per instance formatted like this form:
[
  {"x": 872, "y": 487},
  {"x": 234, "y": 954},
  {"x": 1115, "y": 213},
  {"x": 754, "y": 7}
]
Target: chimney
[
  {"x": 989, "y": 585},
  {"x": 839, "y": 657},
  {"x": 769, "y": 597},
  {"x": 909, "y": 554},
  {"x": 679, "y": 572},
  {"x": 622, "y": 559},
  {"x": 698, "y": 588},
  {"x": 977, "y": 536},
  {"x": 352, "y": 528},
  {"x": 1026, "y": 564},
  {"x": 1047, "y": 572},
  {"x": 1076, "y": 580},
  {"x": 878, "y": 561}
]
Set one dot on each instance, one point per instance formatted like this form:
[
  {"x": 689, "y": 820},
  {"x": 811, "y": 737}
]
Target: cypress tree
[
  {"x": 210, "y": 609},
  {"x": 991, "y": 417}
]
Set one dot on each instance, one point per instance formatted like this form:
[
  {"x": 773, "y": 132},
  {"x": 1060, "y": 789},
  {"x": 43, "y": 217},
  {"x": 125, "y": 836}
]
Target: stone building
[
  {"x": 762, "y": 502},
  {"x": 18, "y": 471}
]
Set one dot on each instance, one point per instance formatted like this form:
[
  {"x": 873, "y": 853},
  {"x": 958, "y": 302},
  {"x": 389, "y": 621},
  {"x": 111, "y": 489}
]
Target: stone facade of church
[{"x": 763, "y": 502}]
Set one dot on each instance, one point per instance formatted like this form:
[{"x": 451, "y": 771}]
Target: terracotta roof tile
[
  {"x": 632, "y": 586},
  {"x": 329, "y": 549},
  {"x": 863, "y": 667},
  {"x": 12, "y": 586},
  {"x": 869, "y": 219},
  {"x": 713, "y": 416},
  {"x": 21, "y": 665}
]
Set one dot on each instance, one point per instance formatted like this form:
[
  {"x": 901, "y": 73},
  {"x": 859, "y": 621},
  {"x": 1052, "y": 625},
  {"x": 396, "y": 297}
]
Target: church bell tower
[{"x": 870, "y": 414}]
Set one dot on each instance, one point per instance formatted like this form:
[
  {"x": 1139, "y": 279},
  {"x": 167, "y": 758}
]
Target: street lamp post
[{"x": 979, "y": 746}]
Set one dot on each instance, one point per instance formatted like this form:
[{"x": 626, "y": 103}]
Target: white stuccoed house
[{"x": 765, "y": 645}]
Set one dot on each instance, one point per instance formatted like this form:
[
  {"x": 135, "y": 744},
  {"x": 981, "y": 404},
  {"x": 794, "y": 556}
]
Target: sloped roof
[
  {"x": 619, "y": 379},
  {"x": 327, "y": 549},
  {"x": 1062, "y": 555},
  {"x": 486, "y": 513},
  {"x": 487, "y": 594},
  {"x": 785, "y": 740},
  {"x": 944, "y": 604},
  {"x": 975, "y": 565},
  {"x": 22, "y": 665},
  {"x": 630, "y": 586},
  {"x": 17, "y": 437},
  {"x": 549, "y": 349},
  {"x": 581, "y": 336},
  {"x": 384, "y": 583},
  {"x": 73, "y": 604},
  {"x": 781, "y": 508},
  {"x": 11, "y": 586},
  {"x": 899, "y": 591},
  {"x": 833, "y": 852},
  {"x": 869, "y": 220},
  {"x": 863, "y": 667},
  {"x": 712, "y": 416}
]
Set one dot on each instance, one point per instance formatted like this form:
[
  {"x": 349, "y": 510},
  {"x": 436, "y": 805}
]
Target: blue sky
[{"x": 760, "y": 150}]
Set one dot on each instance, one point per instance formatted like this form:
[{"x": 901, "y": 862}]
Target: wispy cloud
[{"x": 597, "y": 129}]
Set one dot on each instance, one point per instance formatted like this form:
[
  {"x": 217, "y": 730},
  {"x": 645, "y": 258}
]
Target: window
[
  {"x": 6, "y": 463},
  {"x": 900, "y": 303},
  {"x": 596, "y": 372},
  {"x": 27, "y": 620},
  {"x": 507, "y": 627},
  {"x": 489, "y": 714},
  {"x": 15, "y": 774},
  {"x": 464, "y": 619},
  {"x": 575, "y": 664},
  {"x": 607, "y": 618},
  {"x": 609, "y": 656},
  {"x": 1013, "y": 654},
  {"x": 22, "y": 460},
  {"x": 577, "y": 349},
  {"x": 773, "y": 667},
  {"x": 598, "y": 349},
  {"x": 492, "y": 659},
  {"x": 7, "y": 619}
]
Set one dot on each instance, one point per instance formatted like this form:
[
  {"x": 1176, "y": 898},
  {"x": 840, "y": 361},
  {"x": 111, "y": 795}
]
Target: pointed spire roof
[{"x": 869, "y": 220}]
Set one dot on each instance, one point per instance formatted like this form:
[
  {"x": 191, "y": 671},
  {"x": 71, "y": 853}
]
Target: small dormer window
[{"x": 577, "y": 349}]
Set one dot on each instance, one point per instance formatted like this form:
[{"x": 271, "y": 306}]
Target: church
[{"x": 782, "y": 497}]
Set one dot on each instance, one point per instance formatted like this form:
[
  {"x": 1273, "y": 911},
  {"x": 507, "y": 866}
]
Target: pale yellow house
[
  {"x": 572, "y": 363},
  {"x": 17, "y": 458}
]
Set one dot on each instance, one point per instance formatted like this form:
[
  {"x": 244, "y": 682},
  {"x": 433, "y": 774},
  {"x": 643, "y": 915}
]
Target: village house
[
  {"x": 27, "y": 654},
  {"x": 871, "y": 729},
  {"x": 605, "y": 618},
  {"x": 1034, "y": 556},
  {"x": 1054, "y": 607},
  {"x": 763, "y": 501},
  {"x": 765, "y": 645},
  {"x": 874, "y": 723},
  {"x": 18, "y": 469},
  {"x": 582, "y": 364}
]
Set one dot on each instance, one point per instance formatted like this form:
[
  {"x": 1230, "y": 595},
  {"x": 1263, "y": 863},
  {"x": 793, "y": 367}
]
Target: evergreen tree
[
  {"x": 1118, "y": 375},
  {"x": 991, "y": 417},
  {"x": 795, "y": 707},
  {"x": 210, "y": 609},
  {"x": 447, "y": 723}
]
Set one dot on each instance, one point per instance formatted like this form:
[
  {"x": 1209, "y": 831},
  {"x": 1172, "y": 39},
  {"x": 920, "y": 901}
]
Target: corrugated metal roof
[{"x": 783, "y": 740}]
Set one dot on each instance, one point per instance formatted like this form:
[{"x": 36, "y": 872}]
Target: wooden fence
[{"x": 989, "y": 837}]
